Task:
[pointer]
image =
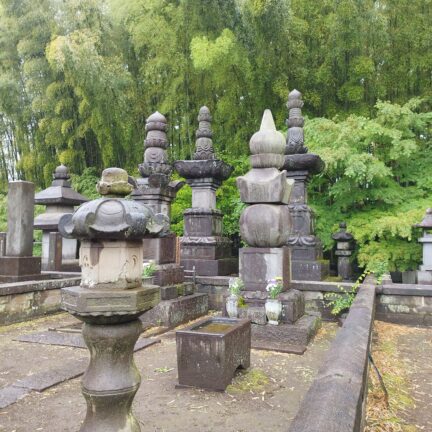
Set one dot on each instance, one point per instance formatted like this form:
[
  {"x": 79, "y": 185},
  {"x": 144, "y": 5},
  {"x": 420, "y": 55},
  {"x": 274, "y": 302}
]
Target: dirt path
[{"x": 266, "y": 398}]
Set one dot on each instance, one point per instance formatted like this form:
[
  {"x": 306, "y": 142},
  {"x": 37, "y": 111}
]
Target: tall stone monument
[
  {"x": 59, "y": 199},
  {"x": 344, "y": 250},
  {"x": 306, "y": 249},
  {"x": 156, "y": 190},
  {"x": 19, "y": 264},
  {"x": 424, "y": 274},
  {"x": 266, "y": 223},
  {"x": 203, "y": 245},
  {"x": 111, "y": 297}
]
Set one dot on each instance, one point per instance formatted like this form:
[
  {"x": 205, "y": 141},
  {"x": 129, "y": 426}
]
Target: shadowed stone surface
[
  {"x": 11, "y": 394},
  {"x": 289, "y": 338},
  {"x": 170, "y": 313}
]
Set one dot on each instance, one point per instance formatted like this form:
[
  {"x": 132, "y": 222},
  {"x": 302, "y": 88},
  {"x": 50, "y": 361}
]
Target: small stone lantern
[
  {"x": 111, "y": 297},
  {"x": 59, "y": 199},
  {"x": 344, "y": 250},
  {"x": 424, "y": 274}
]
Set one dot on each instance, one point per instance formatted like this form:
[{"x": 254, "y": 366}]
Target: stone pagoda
[
  {"x": 424, "y": 274},
  {"x": 306, "y": 249},
  {"x": 59, "y": 199},
  {"x": 111, "y": 297},
  {"x": 203, "y": 245},
  {"x": 344, "y": 250},
  {"x": 156, "y": 190},
  {"x": 265, "y": 226},
  {"x": 18, "y": 263}
]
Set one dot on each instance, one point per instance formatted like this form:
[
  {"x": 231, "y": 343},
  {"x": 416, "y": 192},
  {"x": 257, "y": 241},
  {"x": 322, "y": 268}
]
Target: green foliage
[
  {"x": 149, "y": 269},
  {"x": 374, "y": 180},
  {"x": 86, "y": 183},
  {"x": 340, "y": 303}
]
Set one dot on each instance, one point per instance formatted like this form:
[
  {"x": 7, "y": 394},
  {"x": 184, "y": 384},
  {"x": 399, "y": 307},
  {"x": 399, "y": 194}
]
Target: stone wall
[
  {"x": 216, "y": 287},
  {"x": 405, "y": 304},
  {"x": 336, "y": 399},
  {"x": 21, "y": 301}
]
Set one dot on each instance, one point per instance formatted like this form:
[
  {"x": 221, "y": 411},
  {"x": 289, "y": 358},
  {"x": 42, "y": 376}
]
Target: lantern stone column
[
  {"x": 156, "y": 190},
  {"x": 203, "y": 246},
  {"x": 111, "y": 297},
  {"x": 344, "y": 250},
  {"x": 59, "y": 199},
  {"x": 305, "y": 246},
  {"x": 424, "y": 274}
]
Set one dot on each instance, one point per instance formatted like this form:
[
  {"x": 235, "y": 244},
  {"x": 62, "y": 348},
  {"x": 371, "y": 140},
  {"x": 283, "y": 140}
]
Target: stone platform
[
  {"x": 170, "y": 313},
  {"x": 286, "y": 338}
]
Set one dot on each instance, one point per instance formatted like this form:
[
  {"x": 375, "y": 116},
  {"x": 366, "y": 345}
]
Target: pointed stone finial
[
  {"x": 61, "y": 173},
  {"x": 295, "y": 122},
  {"x": 156, "y": 140},
  {"x": 267, "y": 140},
  {"x": 267, "y": 122},
  {"x": 204, "y": 143}
]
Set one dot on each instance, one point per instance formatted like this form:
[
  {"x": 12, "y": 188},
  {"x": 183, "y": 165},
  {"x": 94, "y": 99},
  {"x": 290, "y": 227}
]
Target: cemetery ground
[{"x": 265, "y": 398}]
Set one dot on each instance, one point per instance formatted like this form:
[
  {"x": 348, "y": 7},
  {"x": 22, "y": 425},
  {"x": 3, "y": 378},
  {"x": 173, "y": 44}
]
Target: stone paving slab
[
  {"x": 11, "y": 394},
  {"x": 44, "y": 380}
]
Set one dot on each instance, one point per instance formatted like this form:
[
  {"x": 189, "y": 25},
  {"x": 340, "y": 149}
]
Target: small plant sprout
[
  {"x": 235, "y": 286},
  {"x": 341, "y": 302},
  {"x": 274, "y": 287},
  {"x": 149, "y": 269}
]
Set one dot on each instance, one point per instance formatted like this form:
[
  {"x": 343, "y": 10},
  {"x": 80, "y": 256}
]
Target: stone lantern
[
  {"x": 111, "y": 297},
  {"x": 344, "y": 250},
  {"x": 424, "y": 274},
  {"x": 203, "y": 245},
  {"x": 265, "y": 224},
  {"x": 59, "y": 199},
  {"x": 305, "y": 246}
]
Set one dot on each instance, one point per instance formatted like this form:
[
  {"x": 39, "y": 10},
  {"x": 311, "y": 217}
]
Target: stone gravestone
[
  {"x": 59, "y": 199},
  {"x": 111, "y": 297},
  {"x": 156, "y": 190},
  {"x": 424, "y": 274},
  {"x": 344, "y": 250},
  {"x": 18, "y": 263},
  {"x": 305, "y": 246},
  {"x": 203, "y": 245}
]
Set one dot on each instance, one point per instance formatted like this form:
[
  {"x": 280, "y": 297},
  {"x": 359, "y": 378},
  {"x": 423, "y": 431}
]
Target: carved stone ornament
[
  {"x": 342, "y": 235},
  {"x": 295, "y": 122}
]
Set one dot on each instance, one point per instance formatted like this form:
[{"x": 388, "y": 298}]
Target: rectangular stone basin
[{"x": 209, "y": 352}]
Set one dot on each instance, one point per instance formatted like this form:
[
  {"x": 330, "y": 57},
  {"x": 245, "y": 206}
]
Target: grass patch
[
  {"x": 250, "y": 380},
  {"x": 379, "y": 416}
]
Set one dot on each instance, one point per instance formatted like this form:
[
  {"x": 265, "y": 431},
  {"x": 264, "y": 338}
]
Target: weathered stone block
[
  {"x": 161, "y": 250},
  {"x": 202, "y": 222},
  {"x": 108, "y": 263},
  {"x": 209, "y": 353},
  {"x": 168, "y": 292},
  {"x": 20, "y": 267},
  {"x": 171, "y": 313},
  {"x": 310, "y": 270},
  {"x": 87, "y": 301},
  {"x": 259, "y": 265},
  {"x": 168, "y": 274},
  {"x": 218, "y": 267}
]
